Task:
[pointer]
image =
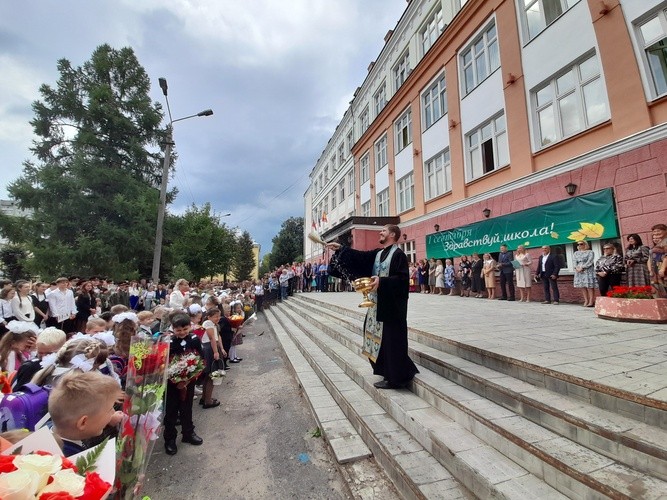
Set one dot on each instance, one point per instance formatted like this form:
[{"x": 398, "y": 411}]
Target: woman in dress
[
  {"x": 523, "y": 280},
  {"x": 476, "y": 278},
  {"x": 22, "y": 308},
  {"x": 489, "y": 274},
  {"x": 39, "y": 302},
  {"x": 414, "y": 287},
  {"x": 85, "y": 306},
  {"x": 636, "y": 262},
  {"x": 439, "y": 273},
  {"x": 465, "y": 271},
  {"x": 431, "y": 274},
  {"x": 450, "y": 276},
  {"x": 6, "y": 314},
  {"x": 584, "y": 272},
  {"x": 422, "y": 275},
  {"x": 608, "y": 269},
  {"x": 178, "y": 298}
]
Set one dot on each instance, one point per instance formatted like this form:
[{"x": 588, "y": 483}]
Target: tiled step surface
[
  {"x": 414, "y": 472},
  {"x": 619, "y": 437},
  {"x": 574, "y": 469}
]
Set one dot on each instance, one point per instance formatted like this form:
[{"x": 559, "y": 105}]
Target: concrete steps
[{"x": 497, "y": 435}]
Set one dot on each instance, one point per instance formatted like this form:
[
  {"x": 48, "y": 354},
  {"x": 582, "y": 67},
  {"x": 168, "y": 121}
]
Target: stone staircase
[{"x": 472, "y": 424}]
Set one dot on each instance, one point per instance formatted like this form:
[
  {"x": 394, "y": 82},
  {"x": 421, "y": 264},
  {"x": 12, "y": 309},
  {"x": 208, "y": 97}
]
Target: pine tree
[{"x": 244, "y": 258}]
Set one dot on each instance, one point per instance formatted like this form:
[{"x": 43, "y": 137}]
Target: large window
[
  {"x": 349, "y": 142},
  {"x": 487, "y": 148},
  {"x": 381, "y": 153},
  {"x": 401, "y": 70},
  {"x": 365, "y": 168},
  {"x": 382, "y": 203},
  {"x": 380, "y": 98},
  {"x": 480, "y": 58},
  {"x": 341, "y": 191},
  {"x": 538, "y": 14},
  {"x": 434, "y": 102},
  {"x": 350, "y": 183},
  {"x": 573, "y": 101},
  {"x": 403, "y": 129},
  {"x": 431, "y": 30},
  {"x": 405, "y": 192},
  {"x": 408, "y": 248},
  {"x": 341, "y": 153},
  {"x": 366, "y": 209},
  {"x": 653, "y": 40},
  {"x": 438, "y": 175},
  {"x": 334, "y": 200},
  {"x": 364, "y": 120}
]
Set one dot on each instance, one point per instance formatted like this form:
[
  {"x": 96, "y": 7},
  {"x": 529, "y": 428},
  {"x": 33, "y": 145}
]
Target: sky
[{"x": 277, "y": 74}]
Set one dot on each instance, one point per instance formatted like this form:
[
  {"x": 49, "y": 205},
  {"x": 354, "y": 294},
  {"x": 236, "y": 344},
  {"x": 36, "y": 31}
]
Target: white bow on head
[{"x": 81, "y": 362}]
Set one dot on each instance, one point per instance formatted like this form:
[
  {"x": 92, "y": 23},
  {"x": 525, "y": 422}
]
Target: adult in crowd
[
  {"x": 323, "y": 271},
  {"x": 62, "y": 307},
  {"x": 450, "y": 276},
  {"x": 609, "y": 269},
  {"x": 465, "y": 273},
  {"x": 439, "y": 277},
  {"x": 259, "y": 294},
  {"x": 307, "y": 277},
  {"x": 422, "y": 275},
  {"x": 39, "y": 303},
  {"x": 135, "y": 294},
  {"x": 636, "y": 261},
  {"x": 284, "y": 284},
  {"x": 386, "y": 325},
  {"x": 523, "y": 278},
  {"x": 489, "y": 274},
  {"x": 178, "y": 298},
  {"x": 431, "y": 274},
  {"x": 658, "y": 259},
  {"x": 6, "y": 314},
  {"x": 414, "y": 286},
  {"x": 22, "y": 308},
  {"x": 548, "y": 269},
  {"x": 506, "y": 268},
  {"x": 85, "y": 306},
  {"x": 584, "y": 272},
  {"x": 161, "y": 294},
  {"x": 476, "y": 278}
]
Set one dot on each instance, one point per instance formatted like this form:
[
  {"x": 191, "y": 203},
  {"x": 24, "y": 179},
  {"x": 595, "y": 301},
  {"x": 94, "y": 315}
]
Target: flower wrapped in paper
[
  {"x": 184, "y": 368},
  {"x": 143, "y": 407}
]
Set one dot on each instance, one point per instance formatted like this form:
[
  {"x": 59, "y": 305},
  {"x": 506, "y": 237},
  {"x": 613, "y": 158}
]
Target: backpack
[{"x": 24, "y": 409}]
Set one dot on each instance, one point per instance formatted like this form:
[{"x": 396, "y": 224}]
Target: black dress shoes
[
  {"x": 383, "y": 384},
  {"x": 192, "y": 439},
  {"x": 170, "y": 447}
]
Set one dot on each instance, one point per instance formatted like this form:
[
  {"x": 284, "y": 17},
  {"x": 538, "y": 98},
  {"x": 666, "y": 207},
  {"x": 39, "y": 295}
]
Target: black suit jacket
[{"x": 552, "y": 265}]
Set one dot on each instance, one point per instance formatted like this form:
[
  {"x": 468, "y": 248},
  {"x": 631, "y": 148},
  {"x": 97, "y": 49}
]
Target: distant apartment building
[
  {"x": 503, "y": 121},
  {"x": 11, "y": 208}
]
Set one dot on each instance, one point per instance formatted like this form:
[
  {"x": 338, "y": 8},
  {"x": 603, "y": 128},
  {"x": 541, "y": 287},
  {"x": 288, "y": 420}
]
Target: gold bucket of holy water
[{"x": 364, "y": 285}]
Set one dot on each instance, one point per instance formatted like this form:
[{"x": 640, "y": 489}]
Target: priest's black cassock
[{"x": 392, "y": 361}]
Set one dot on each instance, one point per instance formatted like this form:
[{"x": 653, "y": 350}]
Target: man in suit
[
  {"x": 548, "y": 267},
  {"x": 505, "y": 259}
]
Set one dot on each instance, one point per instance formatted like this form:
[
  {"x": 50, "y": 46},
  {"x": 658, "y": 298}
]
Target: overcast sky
[{"x": 278, "y": 75}]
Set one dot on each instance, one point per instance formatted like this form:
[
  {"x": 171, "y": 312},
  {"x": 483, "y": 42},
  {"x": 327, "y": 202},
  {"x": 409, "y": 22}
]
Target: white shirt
[
  {"x": 176, "y": 300},
  {"x": 22, "y": 308},
  {"x": 208, "y": 324},
  {"x": 5, "y": 310},
  {"x": 61, "y": 304},
  {"x": 259, "y": 290}
]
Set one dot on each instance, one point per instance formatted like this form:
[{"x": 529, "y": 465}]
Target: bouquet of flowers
[
  {"x": 185, "y": 368},
  {"x": 216, "y": 376},
  {"x": 631, "y": 292},
  {"x": 143, "y": 407},
  {"x": 27, "y": 472}
]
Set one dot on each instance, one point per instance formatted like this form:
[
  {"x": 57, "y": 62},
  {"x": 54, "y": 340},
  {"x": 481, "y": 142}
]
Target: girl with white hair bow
[{"x": 19, "y": 339}]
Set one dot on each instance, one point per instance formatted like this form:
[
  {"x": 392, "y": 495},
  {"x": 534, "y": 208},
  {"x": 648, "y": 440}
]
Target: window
[
  {"x": 408, "y": 248},
  {"x": 365, "y": 168},
  {"x": 538, "y": 14},
  {"x": 434, "y": 102},
  {"x": 341, "y": 191},
  {"x": 350, "y": 183},
  {"x": 487, "y": 148},
  {"x": 402, "y": 70},
  {"x": 333, "y": 166},
  {"x": 366, "y": 209},
  {"x": 403, "y": 129},
  {"x": 405, "y": 188},
  {"x": 341, "y": 153},
  {"x": 383, "y": 203},
  {"x": 653, "y": 40},
  {"x": 480, "y": 59},
  {"x": 380, "y": 99},
  {"x": 350, "y": 142},
  {"x": 381, "y": 153},
  {"x": 438, "y": 175},
  {"x": 325, "y": 206},
  {"x": 431, "y": 30},
  {"x": 315, "y": 186},
  {"x": 364, "y": 120},
  {"x": 321, "y": 182},
  {"x": 573, "y": 101},
  {"x": 334, "y": 199}
]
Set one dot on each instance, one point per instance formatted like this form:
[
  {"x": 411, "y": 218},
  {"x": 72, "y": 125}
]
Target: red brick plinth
[{"x": 637, "y": 310}]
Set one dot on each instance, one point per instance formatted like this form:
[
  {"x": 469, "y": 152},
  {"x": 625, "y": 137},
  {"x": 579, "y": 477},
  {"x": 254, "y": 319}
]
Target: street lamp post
[{"x": 169, "y": 142}]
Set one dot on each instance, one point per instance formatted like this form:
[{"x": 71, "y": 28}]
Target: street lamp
[{"x": 169, "y": 142}]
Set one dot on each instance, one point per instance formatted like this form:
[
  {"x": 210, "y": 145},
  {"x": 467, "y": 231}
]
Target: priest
[{"x": 386, "y": 326}]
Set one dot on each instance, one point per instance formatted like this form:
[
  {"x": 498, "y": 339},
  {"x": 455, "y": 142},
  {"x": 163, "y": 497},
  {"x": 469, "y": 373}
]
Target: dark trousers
[
  {"x": 66, "y": 326},
  {"x": 607, "y": 282},
  {"x": 549, "y": 285},
  {"x": 175, "y": 407},
  {"x": 259, "y": 300},
  {"x": 324, "y": 282},
  {"x": 507, "y": 281}
]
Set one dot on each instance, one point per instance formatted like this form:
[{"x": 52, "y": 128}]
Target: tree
[
  {"x": 92, "y": 185},
  {"x": 244, "y": 258},
  {"x": 12, "y": 260},
  {"x": 265, "y": 265},
  {"x": 288, "y": 243}
]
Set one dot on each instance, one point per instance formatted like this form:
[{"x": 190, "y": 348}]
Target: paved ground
[{"x": 566, "y": 338}]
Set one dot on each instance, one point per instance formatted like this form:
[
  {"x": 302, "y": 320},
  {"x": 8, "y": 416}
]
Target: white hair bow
[
  {"x": 81, "y": 362},
  {"x": 48, "y": 360},
  {"x": 106, "y": 337},
  {"x": 15, "y": 326},
  {"x": 119, "y": 318}
]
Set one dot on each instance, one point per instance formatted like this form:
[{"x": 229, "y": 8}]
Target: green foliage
[
  {"x": 86, "y": 463},
  {"x": 92, "y": 185},
  {"x": 181, "y": 270},
  {"x": 244, "y": 258},
  {"x": 288, "y": 243},
  {"x": 13, "y": 259},
  {"x": 265, "y": 265}
]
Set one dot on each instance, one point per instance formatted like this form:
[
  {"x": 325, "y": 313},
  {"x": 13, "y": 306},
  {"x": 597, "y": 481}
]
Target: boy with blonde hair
[
  {"x": 81, "y": 406},
  {"x": 95, "y": 325},
  {"x": 146, "y": 320}
]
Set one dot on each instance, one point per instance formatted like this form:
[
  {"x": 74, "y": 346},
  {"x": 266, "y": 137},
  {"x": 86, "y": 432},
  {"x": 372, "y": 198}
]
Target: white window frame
[
  {"x": 364, "y": 120},
  {"x": 437, "y": 175},
  {"x": 403, "y": 131},
  {"x": 341, "y": 191},
  {"x": 341, "y": 153},
  {"x": 434, "y": 101},
  {"x": 558, "y": 96},
  {"x": 537, "y": 11},
  {"x": 644, "y": 45},
  {"x": 366, "y": 209},
  {"x": 334, "y": 198},
  {"x": 483, "y": 51},
  {"x": 382, "y": 203},
  {"x": 365, "y": 167},
  {"x": 401, "y": 70},
  {"x": 381, "y": 153},
  {"x": 475, "y": 142},
  {"x": 380, "y": 98},
  {"x": 350, "y": 183},
  {"x": 408, "y": 248},
  {"x": 405, "y": 193},
  {"x": 350, "y": 142},
  {"x": 431, "y": 30}
]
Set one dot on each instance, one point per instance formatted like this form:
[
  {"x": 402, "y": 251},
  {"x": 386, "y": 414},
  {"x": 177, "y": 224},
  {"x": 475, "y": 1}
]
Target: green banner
[{"x": 587, "y": 217}]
